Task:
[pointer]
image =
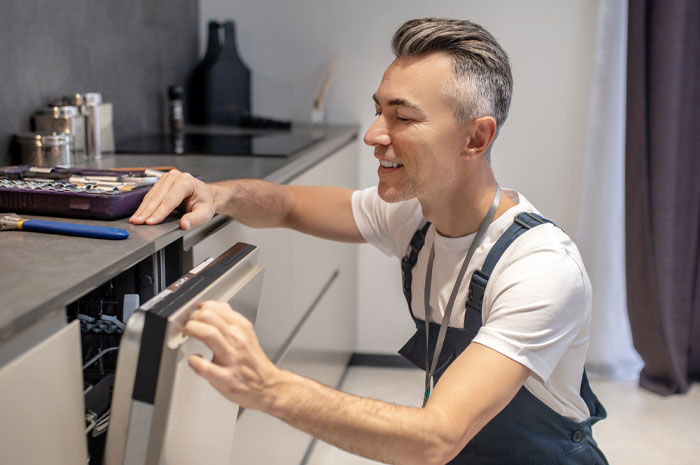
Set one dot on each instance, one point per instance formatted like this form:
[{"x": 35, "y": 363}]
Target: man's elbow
[{"x": 439, "y": 451}]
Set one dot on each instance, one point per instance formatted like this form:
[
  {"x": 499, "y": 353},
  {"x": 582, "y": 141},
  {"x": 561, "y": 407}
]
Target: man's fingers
[
  {"x": 169, "y": 193},
  {"x": 211, "y": 336},
  {"x": 212, "y": 372},
  {"x": 200, "y": 213},
  {"x": 222, "y": 309},
  {"x": 152, "y": 199},
  {"x": 181, "y": 188},
  {"x": 210, "y": 317}
]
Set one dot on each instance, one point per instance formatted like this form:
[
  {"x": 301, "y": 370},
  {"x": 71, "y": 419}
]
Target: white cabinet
[
  {"x": 42, "y": 396},
  {"x": 306, "y": 318}
]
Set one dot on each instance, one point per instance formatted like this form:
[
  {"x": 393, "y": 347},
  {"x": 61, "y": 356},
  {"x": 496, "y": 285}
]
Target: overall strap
[
  {"x": 408, "y": 262},
  {"x": 477, "y": 287}
]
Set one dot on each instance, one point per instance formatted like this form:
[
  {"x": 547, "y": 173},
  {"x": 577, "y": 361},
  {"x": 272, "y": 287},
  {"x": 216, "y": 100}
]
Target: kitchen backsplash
[{"x": 129, "y": 50}]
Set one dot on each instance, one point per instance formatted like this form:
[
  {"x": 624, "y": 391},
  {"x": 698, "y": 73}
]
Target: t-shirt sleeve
[
  {"x": 539, "y": 302},
  {"x": 387, "y": 226}
]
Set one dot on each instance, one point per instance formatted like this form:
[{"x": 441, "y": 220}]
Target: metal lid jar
[{"x": 44, "y": 149}]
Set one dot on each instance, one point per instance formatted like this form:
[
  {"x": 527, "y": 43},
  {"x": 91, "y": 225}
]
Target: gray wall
[{"x": 129, "y": 50}]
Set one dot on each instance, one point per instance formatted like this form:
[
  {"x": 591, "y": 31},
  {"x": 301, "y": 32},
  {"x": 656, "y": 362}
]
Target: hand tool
[{"x": 10, "y": 221}]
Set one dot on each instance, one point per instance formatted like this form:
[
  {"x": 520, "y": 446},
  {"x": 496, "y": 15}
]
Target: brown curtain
[{"x": 662, "y": 190}]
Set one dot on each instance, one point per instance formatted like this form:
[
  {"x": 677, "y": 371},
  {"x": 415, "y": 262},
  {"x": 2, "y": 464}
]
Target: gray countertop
[{"x": 43, "y": 272}]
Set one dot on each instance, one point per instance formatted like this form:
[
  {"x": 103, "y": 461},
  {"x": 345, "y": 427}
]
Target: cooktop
[{"x": 252, "y": 144}]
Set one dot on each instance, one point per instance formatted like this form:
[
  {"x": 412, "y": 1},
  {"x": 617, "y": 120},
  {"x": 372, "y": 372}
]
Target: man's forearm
[
  {"x": 377, "y": 430},
  {"x": 255, "y": 203},
  {"x": 317, "y": 210}
]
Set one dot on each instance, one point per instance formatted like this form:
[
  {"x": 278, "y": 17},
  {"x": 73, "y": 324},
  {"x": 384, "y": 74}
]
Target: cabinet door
[
  {"x": 315, "y": 260},
  {"x": 323, "y": 299},
  {"x": 263, "y": 439},
  {"x": 42, "y": 403}
]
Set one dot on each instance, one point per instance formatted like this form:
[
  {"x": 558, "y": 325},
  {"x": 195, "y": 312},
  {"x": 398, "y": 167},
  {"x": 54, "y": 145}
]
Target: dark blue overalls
[{"x": 526, "y": 432}]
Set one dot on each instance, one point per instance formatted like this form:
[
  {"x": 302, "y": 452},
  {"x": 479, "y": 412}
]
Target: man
[{"x": 506, "y": 293}]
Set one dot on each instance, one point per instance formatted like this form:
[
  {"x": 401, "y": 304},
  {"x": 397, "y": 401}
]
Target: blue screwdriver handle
[{"x": 73, "y": 229}]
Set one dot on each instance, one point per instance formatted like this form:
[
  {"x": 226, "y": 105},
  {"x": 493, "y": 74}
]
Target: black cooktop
[{"x": 257, "y": 144}]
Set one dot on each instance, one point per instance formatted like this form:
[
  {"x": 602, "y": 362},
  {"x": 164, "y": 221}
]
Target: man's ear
[{"x": 481, "y": 133}]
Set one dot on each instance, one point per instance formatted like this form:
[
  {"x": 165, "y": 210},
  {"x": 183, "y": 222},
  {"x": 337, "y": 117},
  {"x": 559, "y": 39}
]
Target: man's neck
[{"x": 460, "y": 212}]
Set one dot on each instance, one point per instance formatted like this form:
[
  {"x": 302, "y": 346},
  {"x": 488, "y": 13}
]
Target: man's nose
[{"x": 377, "y": 134}]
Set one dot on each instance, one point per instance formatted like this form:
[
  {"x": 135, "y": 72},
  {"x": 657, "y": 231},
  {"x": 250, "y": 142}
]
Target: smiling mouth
[{"x": 388, "y": 164}]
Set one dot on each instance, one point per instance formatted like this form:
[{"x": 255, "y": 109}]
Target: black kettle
[{"x": 217, "y": 91}]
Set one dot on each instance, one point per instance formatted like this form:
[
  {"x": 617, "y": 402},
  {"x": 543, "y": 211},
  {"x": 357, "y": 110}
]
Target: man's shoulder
[
  {"x": 388, "y": 226},
  {"x": 544, "y": 247}
]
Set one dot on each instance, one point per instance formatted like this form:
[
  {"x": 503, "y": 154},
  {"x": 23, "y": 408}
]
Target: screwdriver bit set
[{"x": 75, "y": 193}]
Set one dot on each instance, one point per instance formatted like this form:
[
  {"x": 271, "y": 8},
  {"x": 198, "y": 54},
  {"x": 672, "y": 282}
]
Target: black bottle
[
  {"x": 230, "y": 83},
  {"x": 198, "y": 95},
  {"x": 175, "y": 110},
  {"x": 176, "y": 119}
]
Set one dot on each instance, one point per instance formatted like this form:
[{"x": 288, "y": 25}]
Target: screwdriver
[{"x": 11, "y": 221}]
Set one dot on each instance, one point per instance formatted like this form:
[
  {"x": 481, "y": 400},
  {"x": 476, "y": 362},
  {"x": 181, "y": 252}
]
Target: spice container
[
  {"x": 44, "y": 149},
  {"x": 64, "y": 119}
]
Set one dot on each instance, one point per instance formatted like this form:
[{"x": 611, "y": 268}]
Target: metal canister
[
  {"x": 44, "y": 149},
  {"x": 99, "y": 129},
  {"x": 64, "y": 119},
  {"x": 92, "y": 101}
]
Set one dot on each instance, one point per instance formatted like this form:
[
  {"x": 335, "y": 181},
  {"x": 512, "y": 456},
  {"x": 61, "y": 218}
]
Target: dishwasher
[{"x": 143, "y": 403}]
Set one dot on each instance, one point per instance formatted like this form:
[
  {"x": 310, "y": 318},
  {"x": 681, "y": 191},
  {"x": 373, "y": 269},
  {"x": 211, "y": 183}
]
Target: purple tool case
[{"x": 87, "y": 205}]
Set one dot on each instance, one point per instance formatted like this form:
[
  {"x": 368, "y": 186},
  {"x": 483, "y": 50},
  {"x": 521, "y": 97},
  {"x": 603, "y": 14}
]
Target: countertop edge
[{"x": 22, "y": 319}]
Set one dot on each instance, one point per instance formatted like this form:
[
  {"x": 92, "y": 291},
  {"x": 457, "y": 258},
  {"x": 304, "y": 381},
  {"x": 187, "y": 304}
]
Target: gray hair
[{"x": 482, "y": 84}]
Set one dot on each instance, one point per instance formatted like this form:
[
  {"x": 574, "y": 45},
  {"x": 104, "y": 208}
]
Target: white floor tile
[
  {"x": 396, "y": 385},
  {"x": 641, "y": 429}
]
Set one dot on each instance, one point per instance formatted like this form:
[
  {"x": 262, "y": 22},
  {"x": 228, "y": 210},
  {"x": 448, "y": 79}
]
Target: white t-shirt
[{"x": 537, "y": 305}]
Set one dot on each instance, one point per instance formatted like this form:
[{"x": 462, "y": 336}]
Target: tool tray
[{"x": 54, "y": 195}]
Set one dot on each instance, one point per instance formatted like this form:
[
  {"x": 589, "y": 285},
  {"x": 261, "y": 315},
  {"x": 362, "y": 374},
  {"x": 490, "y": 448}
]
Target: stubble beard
[{"x": 396, "y": 193}]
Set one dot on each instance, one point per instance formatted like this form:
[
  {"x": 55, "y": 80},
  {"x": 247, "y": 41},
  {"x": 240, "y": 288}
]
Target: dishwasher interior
[
  {"x": 143, "y": 404},
  {"x": 103, "y": 314}
]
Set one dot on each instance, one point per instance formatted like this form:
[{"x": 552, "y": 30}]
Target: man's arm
[
  {"x": 322, "y": 211},
  {"x": 478, "y": 385}
]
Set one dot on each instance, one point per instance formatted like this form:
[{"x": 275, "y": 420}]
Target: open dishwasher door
[{"x": 162, "y": 411}]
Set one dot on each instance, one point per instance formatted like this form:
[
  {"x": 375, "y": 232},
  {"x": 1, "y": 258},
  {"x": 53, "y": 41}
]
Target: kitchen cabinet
[
  {"x": 316, "y": 325},
  {"x": 305, "y": 318},
  {"x": 41, "y": 392}
]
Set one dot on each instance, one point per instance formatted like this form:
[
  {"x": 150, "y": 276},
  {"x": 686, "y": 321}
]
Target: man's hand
[
  {"x": 240, "y": 370},
  {"x": 169, "y": 192}
]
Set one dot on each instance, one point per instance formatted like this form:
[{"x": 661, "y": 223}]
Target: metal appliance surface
[{"x": 162, "y": 412}]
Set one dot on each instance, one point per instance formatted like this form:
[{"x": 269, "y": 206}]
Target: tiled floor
[{"x": 641, "y": 429}]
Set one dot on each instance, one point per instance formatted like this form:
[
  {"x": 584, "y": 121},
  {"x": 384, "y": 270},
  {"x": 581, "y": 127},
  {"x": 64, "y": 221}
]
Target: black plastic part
[{"x": 148, "y": 367}]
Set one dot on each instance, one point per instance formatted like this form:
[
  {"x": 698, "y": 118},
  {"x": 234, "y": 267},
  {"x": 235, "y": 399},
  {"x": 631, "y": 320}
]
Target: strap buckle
[
  {"x": 477, "y": 289},
  {"x": 524, "y": 223}
]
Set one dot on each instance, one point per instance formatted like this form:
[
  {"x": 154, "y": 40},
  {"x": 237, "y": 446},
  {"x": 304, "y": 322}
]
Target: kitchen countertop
[{"x": 45, "y": 272}]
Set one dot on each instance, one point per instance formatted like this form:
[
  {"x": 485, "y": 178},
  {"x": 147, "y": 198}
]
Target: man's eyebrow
[{"x": 398, "y": 102}]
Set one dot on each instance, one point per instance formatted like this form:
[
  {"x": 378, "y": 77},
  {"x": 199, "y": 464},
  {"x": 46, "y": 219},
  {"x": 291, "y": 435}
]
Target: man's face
[{"x": 415, "y": 137}]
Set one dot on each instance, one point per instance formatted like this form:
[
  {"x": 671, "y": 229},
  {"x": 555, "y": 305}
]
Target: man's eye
[
  {"x": 403, "y": 120},
  {"x": 377, "y": 113}
]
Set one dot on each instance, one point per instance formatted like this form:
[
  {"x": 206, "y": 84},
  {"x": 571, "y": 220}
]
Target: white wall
[{"x": 540, "y": 151}]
